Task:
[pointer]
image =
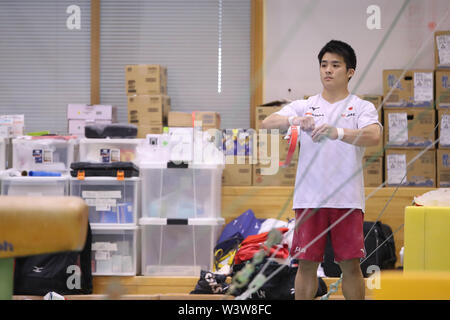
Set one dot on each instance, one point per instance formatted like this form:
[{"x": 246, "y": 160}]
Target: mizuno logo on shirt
[{"x": 37, "y": 269}]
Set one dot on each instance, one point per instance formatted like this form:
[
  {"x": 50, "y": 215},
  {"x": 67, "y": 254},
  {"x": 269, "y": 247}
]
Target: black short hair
[{"x": 341, "y": 48}]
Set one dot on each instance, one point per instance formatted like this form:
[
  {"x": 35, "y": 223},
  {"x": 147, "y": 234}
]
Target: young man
[{"x": 335, "y": 126}]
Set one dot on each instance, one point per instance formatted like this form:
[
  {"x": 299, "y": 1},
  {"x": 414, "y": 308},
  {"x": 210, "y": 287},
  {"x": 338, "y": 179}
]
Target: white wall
[{"x": 296, "y": 30}]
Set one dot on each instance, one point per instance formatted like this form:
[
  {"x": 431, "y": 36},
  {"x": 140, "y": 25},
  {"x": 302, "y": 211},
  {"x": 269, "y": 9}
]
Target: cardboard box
[
  {"x": 148, "y": 109},
  {"x": 373, "y": 172},
  {"x": 414, "y": 89},
  {"x": 443, "y": 168},
  {"x": 76, "y": 127},
  {"x": 282, "y": 176},
  {"x": 442, "y": 49},
  {"x": 209, "y": 119},
  {"x": 145, "y": 79},
  {"x": 180, "y": 119},
  {"x": 144, "y": 129},
  {"x": 11, "y": 125},
  {"x": 265, "y": 148},
  {"x": 409, "y": 127},
  {"x": 420, "y": 173},
  {"x": 442, "y": 89},
  {"x": 238, "y": 171},
  {"x": 444, "y": 128},
  {"x": 377, "y": 150},
  {"x": 91, "y": 112},
  {"x": 265, "y": 110}
]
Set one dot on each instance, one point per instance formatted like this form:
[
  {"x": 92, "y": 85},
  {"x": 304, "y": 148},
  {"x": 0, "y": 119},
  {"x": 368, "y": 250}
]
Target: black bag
[
  {"x": 384, "y": 257},
  {"x": 211, "y": 283},
  {"x": 41, "y": 274},
  {"x": 279, "y": 287},
  {"x": 104, "y": 169},
  {"x": 114, "y": 130}
]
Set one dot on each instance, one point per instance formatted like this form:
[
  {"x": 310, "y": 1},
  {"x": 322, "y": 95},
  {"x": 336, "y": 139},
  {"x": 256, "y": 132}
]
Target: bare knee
[
  {"x": 351, "y": 268},
  {"x": 306, "y": 267}
]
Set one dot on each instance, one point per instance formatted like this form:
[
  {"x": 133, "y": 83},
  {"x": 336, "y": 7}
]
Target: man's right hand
[{"x": 306, "y": 123}]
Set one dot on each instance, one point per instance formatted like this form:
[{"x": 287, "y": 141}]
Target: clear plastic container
[
  {"x": 2, "y": 153},
  {"x": 193, "y": 192},
  {"x": 178, "y": 249},
  {"x": 114, "y": 250},
  {"x": 43, "y": 153},
  {"x": 35, "y": 186},
  {"x": 109, "y": 150},
  {"x": 110, "y": 200}
]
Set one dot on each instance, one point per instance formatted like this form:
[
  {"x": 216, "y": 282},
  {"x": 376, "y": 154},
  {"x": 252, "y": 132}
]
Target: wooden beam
[
  {"x": 256, "y": 57},
  {"x": 95, "y": 51}
]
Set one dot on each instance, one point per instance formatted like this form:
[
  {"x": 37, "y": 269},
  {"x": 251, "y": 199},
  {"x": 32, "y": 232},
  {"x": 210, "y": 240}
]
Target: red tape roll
[{"x": 293, "y": 139}]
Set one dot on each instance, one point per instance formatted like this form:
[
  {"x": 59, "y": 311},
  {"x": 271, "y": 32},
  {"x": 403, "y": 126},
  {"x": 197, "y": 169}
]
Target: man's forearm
[
  {"x": 365, "y": 137},
  {"x": 275, "y": 121}
]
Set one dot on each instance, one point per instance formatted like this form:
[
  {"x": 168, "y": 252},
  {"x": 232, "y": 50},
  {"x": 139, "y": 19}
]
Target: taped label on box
[
  {"x": 444, "y": 135},
  {"x": 109, "y": 155},
  {"x": 396, "y": 169},
  {"x": 104, "y": 246},
  {"x": 116, "y": 194},
  {"x": 102, "y": 255},
  {"x": 423, "y": 86},
  {"x": 101, "y": 204},
  {"x": 443, "y": 46},
  {"x": 42, "y": 156},
  {"x": 37, "y": 155},
  {"x": 48, "y": 156},
  {"x": 398, "y": 128}
]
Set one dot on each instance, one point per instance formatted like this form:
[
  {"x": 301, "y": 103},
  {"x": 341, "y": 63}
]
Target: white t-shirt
[{"x": 329, "y": 173}]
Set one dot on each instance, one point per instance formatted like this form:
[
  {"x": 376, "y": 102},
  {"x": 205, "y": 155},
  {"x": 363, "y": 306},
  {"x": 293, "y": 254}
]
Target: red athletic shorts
[{"x": 347, "y": 237}]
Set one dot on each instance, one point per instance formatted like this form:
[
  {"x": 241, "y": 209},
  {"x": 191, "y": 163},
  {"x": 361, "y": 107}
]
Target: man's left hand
[{"x": 324, "y": 131}]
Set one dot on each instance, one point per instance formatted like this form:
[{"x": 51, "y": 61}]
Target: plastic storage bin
[
  {"x": 193, "y": 192},
  {"x": 109, "y": 150},
  {"x": 35, "y": 186},
  {"x": 110, "y": 200},
  {"x": 114, "y": 250},
  {"x": 178, "y": 249},
  {"x": 43, "y": 153}
]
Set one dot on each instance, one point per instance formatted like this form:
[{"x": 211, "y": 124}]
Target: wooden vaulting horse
[{"x": 38, "y": 225}]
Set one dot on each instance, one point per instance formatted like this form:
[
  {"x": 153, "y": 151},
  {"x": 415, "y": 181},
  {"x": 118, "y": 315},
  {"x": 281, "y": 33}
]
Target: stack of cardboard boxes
[
  {"x": 416, "y": 103},
  {"x": 409, "y": 118},
  {"x": 271, "y": 152},
  {"x": 148, "y": 102},
  {"x": 373, "y": 159},
  {"x": 442, "y": 94}
]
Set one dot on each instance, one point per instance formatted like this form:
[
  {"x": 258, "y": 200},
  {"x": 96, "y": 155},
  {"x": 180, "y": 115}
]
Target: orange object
[
  {"x": 120, "y": 175},
  {"x": 293, "y": 139},
  {"x": 80, "y": 175}
]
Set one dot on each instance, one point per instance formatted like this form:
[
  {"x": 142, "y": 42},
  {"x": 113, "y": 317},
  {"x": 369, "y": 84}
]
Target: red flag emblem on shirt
[{"x": 350, "y": 108}]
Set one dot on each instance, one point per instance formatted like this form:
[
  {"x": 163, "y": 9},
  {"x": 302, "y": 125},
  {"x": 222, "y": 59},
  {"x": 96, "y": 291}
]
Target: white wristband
[
  {"x": 340, "y": 133},
  {"x": 290, "y": 119}
]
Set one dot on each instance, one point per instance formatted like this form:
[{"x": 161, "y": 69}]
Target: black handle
[
  {"x": 173, "y": 165},
  {"x": 183, "y": 222}
]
